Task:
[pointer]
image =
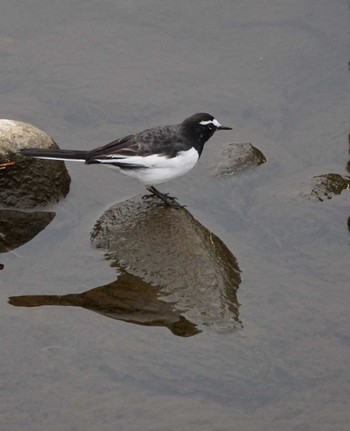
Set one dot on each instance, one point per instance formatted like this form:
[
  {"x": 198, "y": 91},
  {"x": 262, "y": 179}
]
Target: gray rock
[
  {"x": 327, "y": 186},
  {"x": 29, "y": 182},
  {"x": 186, "y": 266},
  {"x": 237, "y": 158}
]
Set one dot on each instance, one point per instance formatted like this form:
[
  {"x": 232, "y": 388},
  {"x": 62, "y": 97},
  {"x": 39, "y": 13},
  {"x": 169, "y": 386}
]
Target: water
[{"x": 89, "y": 72}]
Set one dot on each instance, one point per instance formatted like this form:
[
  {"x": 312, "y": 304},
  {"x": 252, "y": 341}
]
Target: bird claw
[
  {"x": 172, "y": 202},
  {"x": 169, "y": 200}
]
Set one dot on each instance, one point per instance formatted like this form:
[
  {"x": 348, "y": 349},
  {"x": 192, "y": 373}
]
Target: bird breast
[{"x": 159, "y": 168}]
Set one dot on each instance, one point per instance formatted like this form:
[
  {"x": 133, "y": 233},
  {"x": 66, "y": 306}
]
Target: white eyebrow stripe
[{"x": 214, "y": 122}]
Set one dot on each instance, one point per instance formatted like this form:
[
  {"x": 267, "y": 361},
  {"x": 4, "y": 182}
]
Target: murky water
[{"x": 277, "y": 72}]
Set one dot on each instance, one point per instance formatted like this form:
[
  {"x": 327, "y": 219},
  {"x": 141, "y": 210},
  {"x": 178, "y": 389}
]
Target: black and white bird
[{"x": 153, "y": 156}]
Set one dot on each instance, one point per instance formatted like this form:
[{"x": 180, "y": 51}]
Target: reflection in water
[
  {"x": 129, "y": 299},
  {"x": 18, "y": 227},
  {"x": 173, "y": 272}
]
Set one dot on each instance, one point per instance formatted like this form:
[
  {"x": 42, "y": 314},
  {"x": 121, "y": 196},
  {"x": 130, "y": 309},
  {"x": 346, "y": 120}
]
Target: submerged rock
[
  {"x": 327, "y": 186},
  {"x": 237, "y": 158},
  {"x": 28, "y": 182}
]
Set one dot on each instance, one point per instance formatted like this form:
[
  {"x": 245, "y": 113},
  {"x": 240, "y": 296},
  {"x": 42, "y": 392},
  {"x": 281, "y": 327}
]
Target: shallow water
[{"x": 87, "y": 73}]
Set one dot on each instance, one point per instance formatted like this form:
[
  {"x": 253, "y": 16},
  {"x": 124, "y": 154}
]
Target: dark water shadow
[
  {"x": 172, "y": 271},
  {"x": 19, "y": 227}
]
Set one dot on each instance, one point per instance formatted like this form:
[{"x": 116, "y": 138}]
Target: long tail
[{"x": 73, "y": 155}]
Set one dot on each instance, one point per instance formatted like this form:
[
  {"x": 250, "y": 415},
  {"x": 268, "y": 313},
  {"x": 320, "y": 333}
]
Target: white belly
[{"x": 161, "y": 169}]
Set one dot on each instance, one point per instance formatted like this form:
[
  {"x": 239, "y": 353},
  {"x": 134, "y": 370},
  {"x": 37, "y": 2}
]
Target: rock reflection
[
  {"x": 18, "y": 227},
  {"x": 173, "y": 272}
]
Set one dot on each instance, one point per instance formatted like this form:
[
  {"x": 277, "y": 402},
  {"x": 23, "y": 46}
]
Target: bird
[{"x": 153, "y": 156}]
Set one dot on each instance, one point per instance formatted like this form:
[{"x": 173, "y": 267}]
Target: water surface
[{"x": 89, "y": 72}]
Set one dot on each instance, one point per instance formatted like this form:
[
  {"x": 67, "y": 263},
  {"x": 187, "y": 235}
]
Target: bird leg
[{"x": 169, "y": 200}]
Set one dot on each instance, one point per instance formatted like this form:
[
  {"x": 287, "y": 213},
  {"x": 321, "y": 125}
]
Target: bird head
[{"x": 201, "y": 127}]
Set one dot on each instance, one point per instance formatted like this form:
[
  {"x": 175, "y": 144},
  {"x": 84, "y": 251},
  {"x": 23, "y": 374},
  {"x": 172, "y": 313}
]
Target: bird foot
[{"x": 169, "y": 200}]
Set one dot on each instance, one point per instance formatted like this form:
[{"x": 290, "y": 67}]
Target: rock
[
  {"x": 29, "y": 182},
  {"x": 237, "y": 158},
  {"x": 327, "y": 186},
  {"x": 186, "y": 265}
]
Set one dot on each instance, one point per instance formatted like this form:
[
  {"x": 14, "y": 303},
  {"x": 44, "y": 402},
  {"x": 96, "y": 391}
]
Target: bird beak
[{"x": 224, "y": 128}]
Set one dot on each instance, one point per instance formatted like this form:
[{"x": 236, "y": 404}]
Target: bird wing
[
  {"x": 132, "y": 149},
  {"x": 116, "y": 146}
]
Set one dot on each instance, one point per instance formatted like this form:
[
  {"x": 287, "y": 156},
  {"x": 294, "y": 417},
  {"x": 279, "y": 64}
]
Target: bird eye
[{"x": 209, "y": 124}]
